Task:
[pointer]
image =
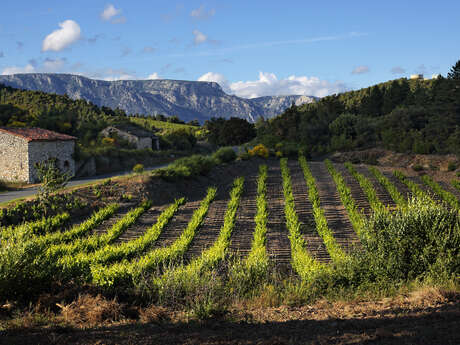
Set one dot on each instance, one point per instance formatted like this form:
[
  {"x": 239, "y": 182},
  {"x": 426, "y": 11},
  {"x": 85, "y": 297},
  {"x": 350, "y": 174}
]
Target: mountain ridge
[{"x": 188, "y": 100}]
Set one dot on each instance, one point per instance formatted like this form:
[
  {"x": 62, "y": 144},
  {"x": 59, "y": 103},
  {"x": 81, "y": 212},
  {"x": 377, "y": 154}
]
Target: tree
[
  {"x": 454, "y": 71},
  {"x": 52, "y": 179}
]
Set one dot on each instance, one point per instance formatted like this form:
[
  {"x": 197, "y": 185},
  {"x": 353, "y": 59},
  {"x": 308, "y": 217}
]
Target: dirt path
[
  {"x": 147, "y": 220},
  {"x": 402, "y": 188},
  {"x": 243, "y": 231},
  {"x": 380, "y": 190},
  {"x": 448, "y": 187},
  {"x": 304, "y": 209},
  {"x": 336, "y": 215},
  {"x": 177, "y": 225},
  {"x": 356, "y": 191},
  {"x": 278, "y": 245},
  {"x": 210, "y": 228},
  {"x": 107, "y": 224}
]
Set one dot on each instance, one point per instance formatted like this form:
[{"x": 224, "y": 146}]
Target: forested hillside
[{"x": 420, "y": 116}]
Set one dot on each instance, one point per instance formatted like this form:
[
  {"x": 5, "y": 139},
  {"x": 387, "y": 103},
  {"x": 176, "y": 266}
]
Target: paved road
[{"x": 22, "y": 193}]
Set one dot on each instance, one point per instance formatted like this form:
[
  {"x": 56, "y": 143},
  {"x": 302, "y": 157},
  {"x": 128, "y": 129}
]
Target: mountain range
[{"x": 188, "y": 100}]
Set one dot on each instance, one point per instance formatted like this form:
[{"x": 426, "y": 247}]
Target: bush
[
  {"x": 417, "y": 167},
  {"x": 187, "y": 167},
  {"x": 224, "y": 155},
  {"x": 259, "y": 150},
  {"x": 138, "y": 169},
  {"x": 414, "y": 242},
  {"x": 451, "y": 166}
]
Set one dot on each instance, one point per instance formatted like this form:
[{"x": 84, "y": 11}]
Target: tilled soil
[
  {"x": 243, "y": 231},
  {"x": 334, "y": 211},
  {"x": 304, "y": 210},
  {"x": 380, "y": 190},
  {"x": 361, "y": 201},
  {"x": 278, "y": 245}
]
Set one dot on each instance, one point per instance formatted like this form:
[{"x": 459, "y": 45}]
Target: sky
[{"x": 251, "y": 48}]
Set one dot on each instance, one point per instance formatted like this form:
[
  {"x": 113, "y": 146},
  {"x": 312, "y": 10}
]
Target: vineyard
[{"x": 307, "y": 222}]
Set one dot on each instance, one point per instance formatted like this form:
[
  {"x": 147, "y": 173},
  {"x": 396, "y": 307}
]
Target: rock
[{"x": 188, "y": 100}]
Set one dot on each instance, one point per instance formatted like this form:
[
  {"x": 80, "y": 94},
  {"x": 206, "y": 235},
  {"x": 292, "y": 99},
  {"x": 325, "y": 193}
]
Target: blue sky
[{"x": 252, "y": 48}]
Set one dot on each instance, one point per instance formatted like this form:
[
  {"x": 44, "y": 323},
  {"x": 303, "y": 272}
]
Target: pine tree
[{"x": 454, "y": 71}]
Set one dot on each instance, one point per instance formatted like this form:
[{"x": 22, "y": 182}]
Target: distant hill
[
  {"x": 413, "y": 116},
  {"x": 188, "y": 100}
]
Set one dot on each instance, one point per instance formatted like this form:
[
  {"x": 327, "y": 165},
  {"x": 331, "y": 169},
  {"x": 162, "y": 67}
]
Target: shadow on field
[{"x": 425, "y": 326}]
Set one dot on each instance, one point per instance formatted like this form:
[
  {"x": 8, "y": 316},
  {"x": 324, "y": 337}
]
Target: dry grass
[{"x": 90, "y": 310}]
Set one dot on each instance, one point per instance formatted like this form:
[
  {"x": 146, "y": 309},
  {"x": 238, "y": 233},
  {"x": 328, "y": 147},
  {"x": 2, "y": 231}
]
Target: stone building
[
  {"x": 139, "y": 137},
  {"x": 22, "y": 148}
]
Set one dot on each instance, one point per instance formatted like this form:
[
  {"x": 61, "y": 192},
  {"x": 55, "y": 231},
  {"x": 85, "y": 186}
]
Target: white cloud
[
  {"x": 109, "y": 12},
  {"x": 218, "y": 78},
  {"x": 54, "y": 65},
  {"x": 269, "y": 85},
  {"x": 360, "y": 70},
  {"x": 154, "y": 76},
  {"x": 201, "y": 13},
  {"x": 398, "y": 70},
  {"x": 68, "y": 33},
  {"x": 199, "y": 37},
  {"x": 14, "y": 69}
]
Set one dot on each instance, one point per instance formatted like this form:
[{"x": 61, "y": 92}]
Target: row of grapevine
[
  {"x": 95, "y": 241},
  {"x": 398, "y": 198},
  {"x": 79, "y": 265},
  {"x": 443, "y": 194},
  {"x": 258, "y": 256},
  {"x": 217, "y": 251},
  {"x": 333, "y": 248},
  {"x": 413, "y": 187},
  {"x": 356, "y": 217},
  {"x": 456, "y": 184},
  {"x": 368, "y": 189},
  {"x": 34, "y": 228},
  {"x": 302, "y": 262},
  {"x": 125, "y": 271}
]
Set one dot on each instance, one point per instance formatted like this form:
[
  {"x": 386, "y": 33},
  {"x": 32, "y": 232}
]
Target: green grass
[{"x": 149, "y": 123}]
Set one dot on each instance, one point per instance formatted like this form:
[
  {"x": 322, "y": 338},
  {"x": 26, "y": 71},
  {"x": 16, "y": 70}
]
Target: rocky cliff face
[{"x": 187, "y": 99}]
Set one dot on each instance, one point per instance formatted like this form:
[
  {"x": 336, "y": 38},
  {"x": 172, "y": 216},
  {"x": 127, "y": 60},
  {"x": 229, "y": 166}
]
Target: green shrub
[
  {"x": 417, "y": 167},
  {"x": 224, "y": 155},
  {"x": 187, "y": 167},
  {"x": 451, "y": 166},
  {"x": 420, "y": 240},
  {"x": 138, "y": 169}
]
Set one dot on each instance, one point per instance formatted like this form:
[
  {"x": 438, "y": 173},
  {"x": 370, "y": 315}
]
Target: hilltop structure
[{"x": 22, "y": 148}]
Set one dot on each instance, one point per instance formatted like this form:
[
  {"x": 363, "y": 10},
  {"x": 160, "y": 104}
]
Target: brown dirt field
[
  {"x": 278, "y": 245},
  {"x": 334, "y": 211},
  {"x": 381, "y": 192},
  {"x": 304, "y": 209},
  {"x": 426, "y": 316}
]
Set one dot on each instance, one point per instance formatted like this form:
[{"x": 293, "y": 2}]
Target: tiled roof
[{"x": 37, "y": 134}]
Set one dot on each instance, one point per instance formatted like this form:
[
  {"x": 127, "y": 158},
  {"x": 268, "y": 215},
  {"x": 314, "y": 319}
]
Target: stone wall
[
  {"x": 13, "y": 158},
  {"x": 40, "y": 151}
]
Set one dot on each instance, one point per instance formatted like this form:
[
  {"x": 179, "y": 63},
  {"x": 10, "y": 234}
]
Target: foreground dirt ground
[{"x": 427, "y": 316}]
